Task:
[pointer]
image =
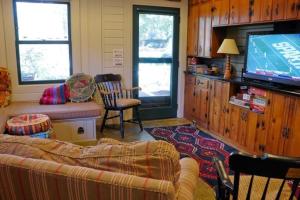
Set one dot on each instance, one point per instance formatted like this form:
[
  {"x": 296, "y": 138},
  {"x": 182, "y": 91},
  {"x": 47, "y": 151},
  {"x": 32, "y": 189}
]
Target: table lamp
[{"x": 228, "y": 47}]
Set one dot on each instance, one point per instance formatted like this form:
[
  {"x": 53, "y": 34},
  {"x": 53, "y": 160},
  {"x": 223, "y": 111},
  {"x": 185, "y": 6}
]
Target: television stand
[{"x": 271, "y": 86}]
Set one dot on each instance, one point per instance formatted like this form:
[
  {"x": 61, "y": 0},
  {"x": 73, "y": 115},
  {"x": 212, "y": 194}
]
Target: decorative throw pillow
[
  {"x": 5, "y": 87},
  {"x": 55, "y": 95},
  {"x": 152, "y": 159}
]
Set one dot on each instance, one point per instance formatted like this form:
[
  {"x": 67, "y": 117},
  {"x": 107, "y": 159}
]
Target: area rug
[{"x": 190, "y": 141}]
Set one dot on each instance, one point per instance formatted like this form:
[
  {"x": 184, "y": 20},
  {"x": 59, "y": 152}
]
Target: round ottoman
[{"x": 28, "y": 124}]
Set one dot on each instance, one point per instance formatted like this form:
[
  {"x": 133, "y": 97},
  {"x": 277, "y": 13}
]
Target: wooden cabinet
[
  {"x": 202, "y": 105},
  {"x": 234, "y": 11},
  {"x": 244, "y": 12},
  {"x": 255, "y": 13},
  {"x": 218, "y": 110},
  {"x": 266, "y": 10},
  {"x": 220, "y": 12},
  {"x": 189, "y": 96},
  {"x": 277, "y": 131},
  {"x": 292, "y": 9},
  {"x": 203, "y": 41},
  {"x": 292, "y": 132},
  {"x": 279, "y": 9},
  {"x": 193, "y": 23},
  {"x": 196, "y": 94},
  {"x": 205, "y": 29}
]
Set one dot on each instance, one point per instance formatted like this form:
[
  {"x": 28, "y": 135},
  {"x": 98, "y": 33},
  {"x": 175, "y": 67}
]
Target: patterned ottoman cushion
[
  {"x": 28, "y": 124},
  {"x": 152, "y": 159}
]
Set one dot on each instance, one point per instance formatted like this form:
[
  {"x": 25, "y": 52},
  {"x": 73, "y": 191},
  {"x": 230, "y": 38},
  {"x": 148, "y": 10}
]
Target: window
[{"x": 43, "y": 41}]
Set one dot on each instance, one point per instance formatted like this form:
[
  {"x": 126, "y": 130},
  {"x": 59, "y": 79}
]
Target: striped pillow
[
  {"x": 152, "y": 159},
  {"x": 55, "y": 95}
]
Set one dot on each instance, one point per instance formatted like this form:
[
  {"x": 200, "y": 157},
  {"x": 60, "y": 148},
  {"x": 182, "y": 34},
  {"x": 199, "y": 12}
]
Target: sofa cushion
[
  {"x": 56, "y": 112},
  {"x": 152, "y": 159}
]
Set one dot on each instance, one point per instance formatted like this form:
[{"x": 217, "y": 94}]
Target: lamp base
[{"x": 227, "y": 73}]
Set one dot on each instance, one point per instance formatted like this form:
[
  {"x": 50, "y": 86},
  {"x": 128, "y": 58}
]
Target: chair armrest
[
  {"x": 225, "y": 185},
  {"x": 188, "y": 179},
  {"x": 128, "y": 92},
  {"x": 132, "y": 89}
]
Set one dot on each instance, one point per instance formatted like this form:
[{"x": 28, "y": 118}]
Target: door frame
[{"x": 164, "y": 111}]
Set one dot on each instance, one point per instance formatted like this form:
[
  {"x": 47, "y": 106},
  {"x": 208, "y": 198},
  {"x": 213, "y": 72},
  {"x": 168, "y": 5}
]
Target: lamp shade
[{"x": 228, "y": 46}]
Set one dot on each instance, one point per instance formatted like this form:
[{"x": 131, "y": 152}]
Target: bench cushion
[{"x": 56, "y": 112}]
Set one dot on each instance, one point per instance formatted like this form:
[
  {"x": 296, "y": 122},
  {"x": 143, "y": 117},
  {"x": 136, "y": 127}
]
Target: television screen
[{"x": 274, "y": 57}]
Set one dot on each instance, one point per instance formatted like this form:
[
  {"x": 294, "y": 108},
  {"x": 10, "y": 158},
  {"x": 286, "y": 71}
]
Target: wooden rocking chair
[
  {"x": 116, "y": 98},
  {"x": 258, "y": 177}
]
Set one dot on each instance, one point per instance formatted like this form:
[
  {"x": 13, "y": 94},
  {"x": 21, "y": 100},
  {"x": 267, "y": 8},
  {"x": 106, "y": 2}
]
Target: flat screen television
[{"x": 273, "y": 57}]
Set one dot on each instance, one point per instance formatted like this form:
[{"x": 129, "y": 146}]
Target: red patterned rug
[{"x": 190, "y": 141}]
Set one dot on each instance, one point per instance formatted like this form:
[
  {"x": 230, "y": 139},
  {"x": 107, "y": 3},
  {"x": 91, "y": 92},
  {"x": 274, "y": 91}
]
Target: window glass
[{"x": 43, "y": 42}]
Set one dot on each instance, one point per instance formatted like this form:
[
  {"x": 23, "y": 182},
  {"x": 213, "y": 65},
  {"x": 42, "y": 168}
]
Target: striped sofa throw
[{"x": 151, "y": 159}]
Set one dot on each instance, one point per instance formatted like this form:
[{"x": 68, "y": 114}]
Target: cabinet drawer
[
  {"x": 202, "y": 82},
  {"x": 75, "y": 130}
]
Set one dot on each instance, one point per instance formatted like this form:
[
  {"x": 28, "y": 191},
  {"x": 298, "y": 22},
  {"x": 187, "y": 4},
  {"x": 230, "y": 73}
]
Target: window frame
[{"x": 20, "y": 42}]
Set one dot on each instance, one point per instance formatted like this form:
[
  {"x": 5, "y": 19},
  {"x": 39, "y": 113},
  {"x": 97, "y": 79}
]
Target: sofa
[{"x": 34, "y": 168}]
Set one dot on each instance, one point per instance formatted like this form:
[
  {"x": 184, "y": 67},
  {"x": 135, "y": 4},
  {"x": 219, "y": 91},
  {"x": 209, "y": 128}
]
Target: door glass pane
[
  {"x": 154, "y": 79},
  {"x": 42, "y": 21},
  {"x": 155, "y": 36},
  {"x": 44, "y": 62}
]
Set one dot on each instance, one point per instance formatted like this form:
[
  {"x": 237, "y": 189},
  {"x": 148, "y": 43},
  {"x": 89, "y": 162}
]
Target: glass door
[{"x": 155, "y": 55}]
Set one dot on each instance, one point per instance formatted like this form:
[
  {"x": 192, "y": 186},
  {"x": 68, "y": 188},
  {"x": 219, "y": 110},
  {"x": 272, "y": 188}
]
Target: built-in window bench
[{"x": 73, "y": 122}]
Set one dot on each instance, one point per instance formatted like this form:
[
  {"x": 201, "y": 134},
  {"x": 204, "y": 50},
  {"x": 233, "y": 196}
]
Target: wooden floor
[{"x": 133, "y": 133}]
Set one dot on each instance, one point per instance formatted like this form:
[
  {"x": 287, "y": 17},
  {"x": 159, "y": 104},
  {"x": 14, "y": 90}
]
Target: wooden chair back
[
  {"x": 269, "y": 166},
  {"x": 110, "y": 88}
]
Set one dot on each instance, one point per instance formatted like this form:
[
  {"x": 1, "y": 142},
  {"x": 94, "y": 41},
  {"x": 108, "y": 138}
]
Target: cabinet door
[
  {"x": 234, "y": 122},
  {"x": 224, "y": 114},
  {"x": 216, "y": 12},
  {"x": 266, "y": 10},
  {"x": 201, "y": 36},
  {"x": 242, "y": 130},
  {"x": 244, "y": 11},
  {"x": 234, "y": 11},
  {"x": 279, "y": 8},
  {"x": 256, "y": 10},
  {"x": 189, "y": 96},
  {"x": 292, "y": 9},
  {"x": 193, "y": 30},
  {"x": 219, "y": 107},
  {"x": 224, "y": 12},
  {"x": 202, "y": 106},
  {"x": 278, "y": 121},
  {"x": 248, "y": 140},
  {"x": 215, "y": 106},
  {"x": 208, "y": 28},
  {"x": 262, "y": 128},
  {"x": 291, "y": 146}
]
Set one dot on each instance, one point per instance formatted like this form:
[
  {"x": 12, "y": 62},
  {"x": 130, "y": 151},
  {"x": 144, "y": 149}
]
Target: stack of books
[{"x": 251, "y": 98}]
